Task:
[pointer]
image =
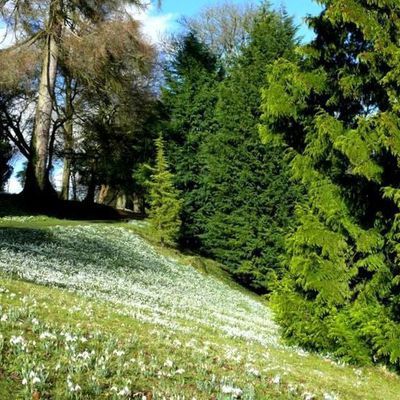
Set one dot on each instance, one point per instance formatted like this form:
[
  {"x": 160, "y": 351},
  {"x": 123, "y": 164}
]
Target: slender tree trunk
[
  {"x": 66, "y": 177},
  {"x": 74, "y": 187},
  {"x": 91, "y": 190},
  {"x": 51, "y": 150},
  {"x": 68, "y": 140},
  {"x": 37, "y": 182},
  {"x": 104, "y": 189}
]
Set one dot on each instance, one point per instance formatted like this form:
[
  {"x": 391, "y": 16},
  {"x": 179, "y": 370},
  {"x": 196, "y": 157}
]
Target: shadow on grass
[{"x": 17, "y": 206}]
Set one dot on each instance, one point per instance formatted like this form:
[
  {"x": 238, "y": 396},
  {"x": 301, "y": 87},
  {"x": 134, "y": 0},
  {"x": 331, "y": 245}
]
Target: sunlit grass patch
[{"x": 107, "y": 316}]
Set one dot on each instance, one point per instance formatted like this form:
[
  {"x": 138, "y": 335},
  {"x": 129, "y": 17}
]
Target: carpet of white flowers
[
  {"x": 113, "y": 264},
  {"x": 130, "y": 323}
]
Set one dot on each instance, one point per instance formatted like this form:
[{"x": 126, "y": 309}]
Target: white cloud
[
  {"x": 7, "y": 38},
  {"x": 13, "y": 185},
  {"x": 154, "y": 23}
]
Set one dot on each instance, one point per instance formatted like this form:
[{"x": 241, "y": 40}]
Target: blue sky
[{"x": 298, "y": 8}]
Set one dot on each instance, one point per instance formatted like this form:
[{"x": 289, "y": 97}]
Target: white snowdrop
[
  {"x": 124, "y": 392},
  {"x": 168, "y": 363},
  {"x": 234, "y": 391},
  {"x": 119, "y": 353},
  {"x": 276, "y": 380}
]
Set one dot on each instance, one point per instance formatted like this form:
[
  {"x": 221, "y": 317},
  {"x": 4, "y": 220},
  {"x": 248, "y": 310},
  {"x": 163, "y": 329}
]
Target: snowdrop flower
[
  {"x": 177, "y": 343},
  {"x": 235, "y": 392},
  {"x": 124, "y": 392},
  {"x": 253, "y": 371},
  {"x": 119, "y": 353},
  {"x": 70, "y": 338},
  {"x": 47, "y": 335},
  {"x": 85, "y": 355},
  {"x": 71, "y": 386},
  {"x": 18, "y": 340},
  {"x": 276, "y": 380},
  {"x": 330, "y": 396},
  {"x": 4, "y": 318},
  {"x": 168, "y": 364},
  {"x": 292, "y": 388}
]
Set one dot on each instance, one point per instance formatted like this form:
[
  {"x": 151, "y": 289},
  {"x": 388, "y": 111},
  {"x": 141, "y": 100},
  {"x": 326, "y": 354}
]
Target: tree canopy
[{"x": 336, "y": 109}]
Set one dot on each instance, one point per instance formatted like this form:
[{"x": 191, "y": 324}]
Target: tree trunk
[
  {"x": 74, "y": 187},
  {"x": 37, "y": 181},
  {"x": 66, "y": 178},
  {"x": 68, "y": 140},
  {"x": 91, "y": 192},
  {"x": 104, "y": 189}
]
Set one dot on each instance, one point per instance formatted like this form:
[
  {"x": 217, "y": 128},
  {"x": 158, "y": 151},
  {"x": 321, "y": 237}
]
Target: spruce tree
[
  {"x": 189, "y": 97},
  {"x": 337, "y": 111},
  {"x": 251, "y": 198},
  {"x": 165, "y": 204}
]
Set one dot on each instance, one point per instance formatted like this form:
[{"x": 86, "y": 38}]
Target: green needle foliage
[
  {"x": 238, "y": 197},
  {"x": 165, "y": 204},
  {"x": 189, "y": 98},
  {"x": 337, "y": 111},
  {"x": 251, "y": 202}
]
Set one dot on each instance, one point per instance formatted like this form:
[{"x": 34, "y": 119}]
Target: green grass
[{"x": 166, "y": 363}]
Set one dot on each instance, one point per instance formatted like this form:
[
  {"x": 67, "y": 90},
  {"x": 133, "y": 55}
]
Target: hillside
[{"x": 93, "y": 310}]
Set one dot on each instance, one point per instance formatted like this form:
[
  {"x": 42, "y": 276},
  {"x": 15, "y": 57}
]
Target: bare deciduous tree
[
  {"x": 47, "y": 26},
  {"x": 224, "y": 27}
]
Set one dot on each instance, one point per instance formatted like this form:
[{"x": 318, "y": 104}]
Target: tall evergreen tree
[
  {"x": 250, "y": 197},
  {"x": 165, "y": 204},
  {"x": 189, "y": 99},
  {"x": 337, "y": 110}
]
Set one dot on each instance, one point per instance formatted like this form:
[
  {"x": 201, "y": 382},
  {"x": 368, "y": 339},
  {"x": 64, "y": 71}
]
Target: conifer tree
[
  {"x": 251, "y": 199},
  {"x": 189, "y": 97},
  {"x": 337, "y": 111},
  {"x": 165, "y": 204}
]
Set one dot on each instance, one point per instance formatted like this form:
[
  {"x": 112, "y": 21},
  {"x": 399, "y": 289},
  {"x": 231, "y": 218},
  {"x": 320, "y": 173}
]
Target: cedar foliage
[
  {"x": 164, "y": 200},
  {"x": 337, "y": 110}
]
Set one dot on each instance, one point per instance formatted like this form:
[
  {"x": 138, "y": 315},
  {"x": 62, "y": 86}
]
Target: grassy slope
[{"x": 147, "y": 358}]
